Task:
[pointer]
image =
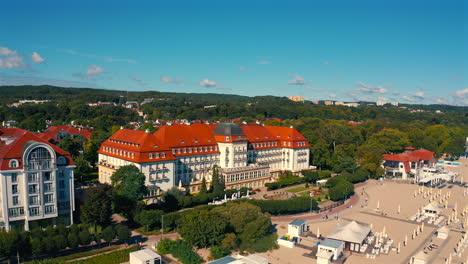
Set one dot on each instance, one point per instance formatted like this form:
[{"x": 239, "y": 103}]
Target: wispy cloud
[
  {"x": 328, "y": 63},
  {"x": 138, "y": 80},
  {"x": 94, "y": 70},
  {"x": 89, "y": 55},
  {"x": 332, "y": 95},
  {"x": 298, "y": 80},
  {"x": 167, "y": 79},
  {"x": 364, "y": 88},
  {"x": 4, "y": 51},
  {"x": 36, "y": 58},
  {"x": 208, "y": 83},
  {"x": 456, "y": 78},
  {"x": 264, "y": 62},
  {"x": 242, "y": 69}
]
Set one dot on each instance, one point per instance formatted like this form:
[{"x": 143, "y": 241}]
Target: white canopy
[
  {"x": 432, "y": 207},
  {"x": 350, "y": 232}
]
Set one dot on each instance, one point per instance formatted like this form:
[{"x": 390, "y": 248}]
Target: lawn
[
  {"x": 298, "y": 189},
  {"x": 79, "y": 255},
  {"x": 110, "y": 258}
]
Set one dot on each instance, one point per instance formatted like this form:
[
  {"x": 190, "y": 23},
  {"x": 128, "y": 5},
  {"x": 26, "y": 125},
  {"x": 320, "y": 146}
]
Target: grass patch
[
  {"x": 110, "y": 258},
  {"x": 298, "y": 189},
  {"x": 77, "y": 255}
]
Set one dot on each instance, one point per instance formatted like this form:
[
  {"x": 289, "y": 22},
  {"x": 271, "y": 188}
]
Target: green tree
[
  {"x": 60, "y": 241},
  {"x": 229, "y": 241},
  {"x": 129, "y": 182},
  {"x": 203, "y": 189},
  {"x": 202, "y": 228},
  {"x": 7, "y": 244},
  {"x": 218, "y": 252},
  {"x": 108, "y": 234},
  {"x": 37, "y": 247},
  {"x": 73, "y": 240},
  {"x": 97, "y": 206},
  {"x": 216, "y": 187},
  {"x": 71, "y": 145},
  {"x": 123, "y": 232},
  {"x": 341, "y": 191},
  {"x": 149, "y": 219},
  {"x": 129, "y": 188},
  {"x": 84, "y": 237}
]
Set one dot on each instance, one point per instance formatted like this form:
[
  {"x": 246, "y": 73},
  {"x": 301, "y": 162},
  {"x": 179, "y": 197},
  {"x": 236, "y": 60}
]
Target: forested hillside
[{"x": 335, "y": 144}]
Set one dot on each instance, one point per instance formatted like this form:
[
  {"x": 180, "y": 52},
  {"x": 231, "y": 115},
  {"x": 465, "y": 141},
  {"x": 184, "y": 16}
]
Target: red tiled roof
[
  {"x": 413, "y": 156},
  {"x": 52, "y": 132},
  {"x": 14, "y": 150}
]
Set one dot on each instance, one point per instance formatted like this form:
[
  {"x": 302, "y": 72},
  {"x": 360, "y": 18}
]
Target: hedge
[
  {"x": 277, "y": 207},
  {"x": 180, "y": 249}
]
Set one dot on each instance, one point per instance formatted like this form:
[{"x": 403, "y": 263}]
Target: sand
[{"x": 389, "y": 195}]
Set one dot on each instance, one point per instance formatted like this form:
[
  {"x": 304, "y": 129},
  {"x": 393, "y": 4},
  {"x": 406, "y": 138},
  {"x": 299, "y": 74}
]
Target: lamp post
[{"x": 162, "y": 226}]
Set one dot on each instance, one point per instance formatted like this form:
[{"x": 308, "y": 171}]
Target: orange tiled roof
[
  {"x": 410, "y": 156},
  {"x": 14, "y": 150},
  {"x": 52, "y": 132}
]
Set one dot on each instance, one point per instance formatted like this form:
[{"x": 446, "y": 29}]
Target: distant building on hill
[
  {"x": 296, "y": 98},
  {"x": 36, "y": 182},
  {"x": 248, "y": 155},
  {"x": 55, "y": 134}
]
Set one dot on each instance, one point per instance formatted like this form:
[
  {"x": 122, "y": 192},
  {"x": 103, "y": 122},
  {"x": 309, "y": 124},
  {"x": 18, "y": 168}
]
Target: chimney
[
  {"x": 147, "y": 131},
  {"x": 121, "y": 127}
]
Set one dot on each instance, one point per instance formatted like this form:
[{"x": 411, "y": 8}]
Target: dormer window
[
  {"x": 227, "y": 138},
  {"x": 14, "y": 164},
  {"x": 151, "y": 155},
  {"x": 157, "y": 155},
  {"x": 163, "y": 155}
]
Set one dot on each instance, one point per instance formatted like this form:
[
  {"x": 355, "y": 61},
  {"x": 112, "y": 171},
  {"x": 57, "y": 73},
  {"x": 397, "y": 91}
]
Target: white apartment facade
[{"x": 36, "y": 182}]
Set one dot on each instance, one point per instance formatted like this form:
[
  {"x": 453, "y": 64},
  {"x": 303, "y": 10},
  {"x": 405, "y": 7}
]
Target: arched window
[
  {"x": 39, "y": 158},
  {"x": 14, "y": 164}
]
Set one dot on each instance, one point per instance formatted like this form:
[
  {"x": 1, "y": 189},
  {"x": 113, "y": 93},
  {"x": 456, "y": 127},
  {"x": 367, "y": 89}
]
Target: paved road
[{"x": 307, "y": 216}]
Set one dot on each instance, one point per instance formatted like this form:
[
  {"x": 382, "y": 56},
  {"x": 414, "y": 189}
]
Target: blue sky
[{"x": 407, "y": 51}]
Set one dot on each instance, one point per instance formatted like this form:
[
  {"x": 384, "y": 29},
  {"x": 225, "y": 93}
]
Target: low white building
[
  {"x": 419, "y": 258},
  {"x": 443, "y": 232},
  {"x": 432, "y": 210},
  {"x": 335, "y": 247},
  {"x": 239, "y": 259},
  {"x": 145, "y": 256},
  {"x": 352, "y": 233},
  {"x": 297, "y": 227}
]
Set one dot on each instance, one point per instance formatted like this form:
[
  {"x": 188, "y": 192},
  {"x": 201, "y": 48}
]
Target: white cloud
[
  {"x": 4, "y": 51},
  {"x": 364, "y": 88},
  {"x": 462, "y": 94},
  {"x": 264, "y": 62},
  {"x": 167, "y": 79},
  {"x": 94, "y": 70},
  {"x": 242, "y": 69},
  {"x": 328, "y": 63},
  {"x": 36, "y": 58},
  {"x": 10, "y": 59},
  {"x": 11, "y": 62},
  {"x": 298, "y": 80},
  {"x": 208, "y": 83},
  {"x": 419, "y": 95},
  {"x": 332, "y": 95}
]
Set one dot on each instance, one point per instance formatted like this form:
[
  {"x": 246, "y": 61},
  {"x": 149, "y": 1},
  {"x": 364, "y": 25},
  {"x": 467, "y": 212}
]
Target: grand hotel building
[{"x": 248, "y": 155}]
